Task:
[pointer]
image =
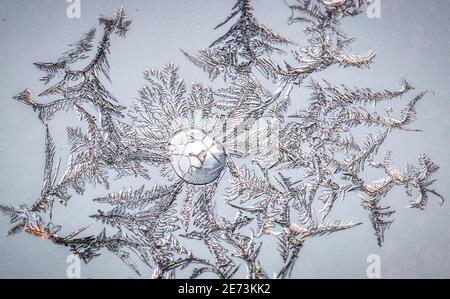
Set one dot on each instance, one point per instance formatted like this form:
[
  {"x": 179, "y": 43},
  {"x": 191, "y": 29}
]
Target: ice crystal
[{"x": 196, "y": 157}]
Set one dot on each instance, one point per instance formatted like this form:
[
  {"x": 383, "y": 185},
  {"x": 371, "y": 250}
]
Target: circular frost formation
[{"x": 196, "y": 158}]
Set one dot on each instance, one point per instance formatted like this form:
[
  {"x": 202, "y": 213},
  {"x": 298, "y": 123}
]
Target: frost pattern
[{"x": 269, "y": 203}]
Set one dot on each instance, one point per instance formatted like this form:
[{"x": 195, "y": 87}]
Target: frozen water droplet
[{"x": 196, "y": 158}]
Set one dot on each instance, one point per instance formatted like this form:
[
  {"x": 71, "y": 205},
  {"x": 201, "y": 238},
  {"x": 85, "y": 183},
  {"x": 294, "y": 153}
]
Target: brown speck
[{"x": 37, "y": 231}]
